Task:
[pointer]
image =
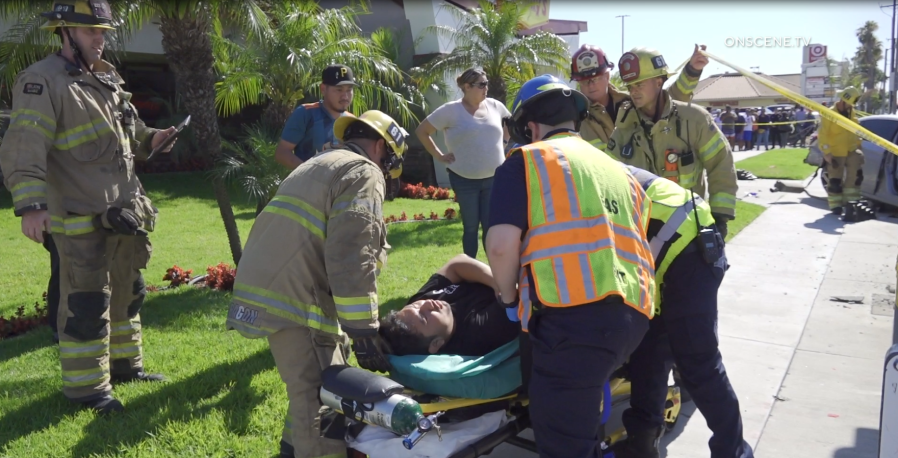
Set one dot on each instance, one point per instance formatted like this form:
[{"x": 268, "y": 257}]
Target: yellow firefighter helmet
[
  {"x": 394, "y": 135},
  {"x": 640, "y": 64},
  {"x": 79, "y": 13},
  {"x": 849, "y": 95}
]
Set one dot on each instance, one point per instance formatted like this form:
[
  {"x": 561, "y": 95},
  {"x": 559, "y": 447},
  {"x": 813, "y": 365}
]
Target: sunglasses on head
[{"x": 481, "y": 84}]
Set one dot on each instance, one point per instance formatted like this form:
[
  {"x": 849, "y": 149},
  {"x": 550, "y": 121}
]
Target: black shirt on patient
[{"x": 481, "y": 324}]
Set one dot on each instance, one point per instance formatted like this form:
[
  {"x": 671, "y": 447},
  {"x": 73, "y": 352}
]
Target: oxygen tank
[{"x": 397, "y": 413}]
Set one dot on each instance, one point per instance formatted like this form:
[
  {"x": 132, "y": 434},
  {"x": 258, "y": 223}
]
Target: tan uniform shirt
[
  {"x": 71, "y": 143},
  {"x": 683, "y": 145},
  {"x": 598, "y": 126},
  {"x": 313, "y": 253}
]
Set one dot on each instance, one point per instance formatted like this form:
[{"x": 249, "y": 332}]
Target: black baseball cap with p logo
[{"x": 337, "y": 75}]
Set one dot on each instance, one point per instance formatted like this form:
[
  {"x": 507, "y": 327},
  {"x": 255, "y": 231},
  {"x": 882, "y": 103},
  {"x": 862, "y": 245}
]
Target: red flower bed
[
  {"x": 434, "y": 216},
  {"x": 419, "y": 191},
  {"x": 20, "y": 323},
  {"x": 177, "y": 276},
  {"x": 221, "y": 277}
]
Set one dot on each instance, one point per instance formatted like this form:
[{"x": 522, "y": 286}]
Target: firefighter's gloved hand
[
  {"x": 720, "y": 221},
  {"x": 122, "y": 221},
  {"x": 369, "y": 349}
]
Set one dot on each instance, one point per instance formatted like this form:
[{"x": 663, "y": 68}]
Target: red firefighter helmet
[{"x": 588, "y": 62}]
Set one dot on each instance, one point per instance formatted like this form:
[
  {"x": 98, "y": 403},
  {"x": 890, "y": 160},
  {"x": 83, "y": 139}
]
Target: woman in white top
[{"x": 474, "y": 136}]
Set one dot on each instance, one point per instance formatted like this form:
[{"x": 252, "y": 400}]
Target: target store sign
[{"x": 814, "y": 53}]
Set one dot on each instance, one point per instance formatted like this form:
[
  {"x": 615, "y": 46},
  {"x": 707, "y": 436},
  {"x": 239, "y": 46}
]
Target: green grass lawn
[
  {"x": 745, "y": 214},
  {"x": 781, "y": 164},
  {"x": 224, "y": 397}
]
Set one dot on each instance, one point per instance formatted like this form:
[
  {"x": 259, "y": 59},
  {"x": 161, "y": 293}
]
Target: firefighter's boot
[
  {"x": 640, "y": 445},
  {"x": 105, "y": 405},
  {"x": 850, "y": 214}
]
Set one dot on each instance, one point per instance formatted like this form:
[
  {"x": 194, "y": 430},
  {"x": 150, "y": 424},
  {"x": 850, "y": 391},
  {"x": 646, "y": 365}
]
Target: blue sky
[{"x": 674, "y": 27}]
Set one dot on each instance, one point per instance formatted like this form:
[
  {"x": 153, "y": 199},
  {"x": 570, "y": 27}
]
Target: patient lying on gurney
[{"x": 454, "y": 313}]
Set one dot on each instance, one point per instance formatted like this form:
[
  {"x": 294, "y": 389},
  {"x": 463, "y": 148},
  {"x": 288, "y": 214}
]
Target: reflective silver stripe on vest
[{"x": 670, "y": 227}]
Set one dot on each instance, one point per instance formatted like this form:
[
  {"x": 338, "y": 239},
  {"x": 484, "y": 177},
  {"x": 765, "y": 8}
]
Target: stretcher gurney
[{"x": 473, "y": 425}]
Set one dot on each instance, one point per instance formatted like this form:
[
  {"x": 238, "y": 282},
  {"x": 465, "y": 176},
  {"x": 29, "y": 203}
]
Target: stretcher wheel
[{"x": 672, "y": 408}]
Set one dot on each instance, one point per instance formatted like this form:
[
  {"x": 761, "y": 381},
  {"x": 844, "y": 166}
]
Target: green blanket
[{"x": 485, "y": 377}]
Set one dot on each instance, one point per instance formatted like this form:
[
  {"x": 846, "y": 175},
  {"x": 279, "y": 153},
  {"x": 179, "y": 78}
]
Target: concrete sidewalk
[{"x": 807, "y": 370}]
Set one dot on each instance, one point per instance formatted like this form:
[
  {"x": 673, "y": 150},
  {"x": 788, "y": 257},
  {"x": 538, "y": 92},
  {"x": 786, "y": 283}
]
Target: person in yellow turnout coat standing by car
[{"x": 842, "y": 153}]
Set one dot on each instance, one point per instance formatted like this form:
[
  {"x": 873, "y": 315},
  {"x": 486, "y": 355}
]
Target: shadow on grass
[
  {"x": 182, "y": 401},
  {"x": 176, "y": 308},
  {"x": 245, "y": 215},
  {"x": 167, "y": 188},
  {"x": 35, "y": 339},
  {"x": 409, "y": 236},
  {"x": 33, "y": 417}
]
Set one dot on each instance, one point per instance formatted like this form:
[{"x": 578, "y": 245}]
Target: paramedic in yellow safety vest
[
  {"x": 689, "y": 265},
  {"x": 591, "y": 70},
  {"x": 842, "y": 152},
  {"x": 308, "y": 271},
  {"x": 672, "y": 139},
  {"x": 68, "y": 157},
  {"x": 570, "y": 256}
]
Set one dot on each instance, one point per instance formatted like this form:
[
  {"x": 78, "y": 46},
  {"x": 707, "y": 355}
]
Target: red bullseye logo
[{"x": 816, "y": 52}]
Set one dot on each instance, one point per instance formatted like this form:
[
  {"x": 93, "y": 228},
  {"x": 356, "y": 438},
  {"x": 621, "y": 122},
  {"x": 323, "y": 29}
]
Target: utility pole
[
  {"x": 893, "y": 66},
  {"x": 627, "y": 15},
  {"x": 885, "y": 67}
]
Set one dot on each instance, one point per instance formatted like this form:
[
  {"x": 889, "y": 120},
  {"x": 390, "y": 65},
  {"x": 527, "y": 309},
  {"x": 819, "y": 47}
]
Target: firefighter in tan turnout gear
[
  {"x": 309, "y": 270},
  {"x": 68, "y": 161},
  {"x": 675, "y": 140},
  {"x": 591, "y": 70}
]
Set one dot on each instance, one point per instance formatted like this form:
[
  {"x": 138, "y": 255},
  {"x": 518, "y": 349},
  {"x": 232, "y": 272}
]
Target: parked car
[{"x": 880, "y": 165}]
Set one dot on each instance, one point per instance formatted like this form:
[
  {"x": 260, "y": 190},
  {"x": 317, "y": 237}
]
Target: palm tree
[
  {"x": 186, "y": 26},
  {"x": 414, "y": 80},
  {"x": 867, "y": 57},
  {"x": 284, "y": 68},
  {"x": 251, "y": 164},
  {"x": 489, "y": 37}
]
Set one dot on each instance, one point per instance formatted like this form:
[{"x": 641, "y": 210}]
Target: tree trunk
[
  {"x": 260, "y": 205},
  {"x": 276, "y": 114},
  {"x": 188, "y": 50},
  {"x": 497, "y": 89}
]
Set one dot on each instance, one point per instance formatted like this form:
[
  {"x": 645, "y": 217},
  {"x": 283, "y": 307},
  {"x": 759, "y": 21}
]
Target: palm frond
[{"x": 23, "y": 44}]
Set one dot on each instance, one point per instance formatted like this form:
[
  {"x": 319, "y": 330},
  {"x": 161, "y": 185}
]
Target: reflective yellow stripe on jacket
[
  {"x": 586, "y": 238},
  {"x": 76, "y": 225},
  {"x": 28, "y": 190},
  {"x": 299, "y": 211},
  {"x": 283, "y": 307},
  {"x": 673, "y": 207},
  {"x": 34, "y": 120}
]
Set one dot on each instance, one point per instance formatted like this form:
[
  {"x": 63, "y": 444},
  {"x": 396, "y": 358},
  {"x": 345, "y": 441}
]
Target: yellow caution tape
[{"x": 830, "y": 115}]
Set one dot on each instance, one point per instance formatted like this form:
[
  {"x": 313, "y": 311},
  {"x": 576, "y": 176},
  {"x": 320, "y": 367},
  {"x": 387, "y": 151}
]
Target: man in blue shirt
[{"x": 310, "y": 128}]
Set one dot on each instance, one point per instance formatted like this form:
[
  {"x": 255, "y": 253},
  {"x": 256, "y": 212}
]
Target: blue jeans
[
  {"x": 474, "y": 205},
  {"x": 763, "y": 139}
]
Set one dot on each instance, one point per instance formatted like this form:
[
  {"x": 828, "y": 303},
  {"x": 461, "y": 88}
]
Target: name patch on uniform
[
  {"x": 246, "y": 314},
  {"x": 627, "y": 151},
  {"x": 33, "y": 88}
]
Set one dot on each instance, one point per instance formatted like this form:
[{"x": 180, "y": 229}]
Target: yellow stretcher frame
[{"x": 619, "y": 387}]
